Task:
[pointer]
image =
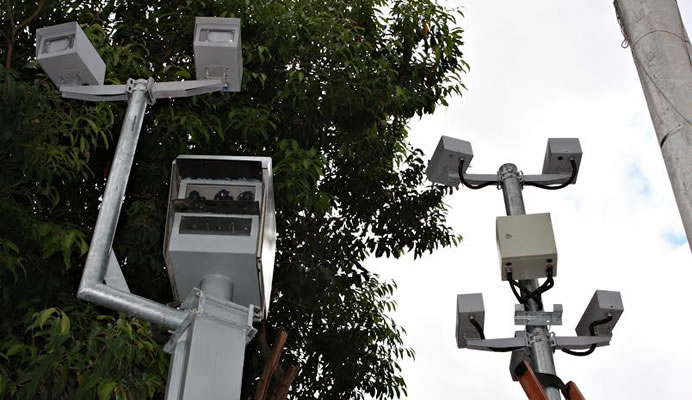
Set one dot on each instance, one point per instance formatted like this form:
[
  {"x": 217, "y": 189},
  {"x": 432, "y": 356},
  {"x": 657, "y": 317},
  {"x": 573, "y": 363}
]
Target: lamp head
[
  {"x": 603, "y": 311},
  {"x": 217, "y": 48},
  {"x": 558, "y": 154},
  {"x": 444, "y": 164},
  {"x": 469, "y": 307},
  {"x": 68, "y": 57}
]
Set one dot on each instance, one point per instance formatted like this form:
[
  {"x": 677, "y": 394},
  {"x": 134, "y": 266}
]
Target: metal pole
[
  {"x": 538, "y": 336},
  {"x": 91, "y": 287},
  {"x": 207, "y": 353},
  {"x": 663, "y": 56}
]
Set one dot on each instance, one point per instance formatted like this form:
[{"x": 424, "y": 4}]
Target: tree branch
[
  {"x": 18, "y": 28},
  {"x": 270, "y": 366},
  {"x": 284, "y": 384},
  {"x": 263, "y": 344},
  {"x": 24, "y": 23}
]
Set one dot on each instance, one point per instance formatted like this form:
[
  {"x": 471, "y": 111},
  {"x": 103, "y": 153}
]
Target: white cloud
[{"x": 554, "y": 69}]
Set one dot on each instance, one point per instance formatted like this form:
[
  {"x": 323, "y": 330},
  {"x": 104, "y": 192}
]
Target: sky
[{"x": 541, "y": 69}]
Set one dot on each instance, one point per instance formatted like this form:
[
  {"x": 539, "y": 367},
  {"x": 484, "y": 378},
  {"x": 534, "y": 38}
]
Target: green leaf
[
  {"x": 105, "y": 389},
  {"x": 14, "y": 349},
  {"x": 44, "y": 315},
  {"x": 64, "y": 323}
]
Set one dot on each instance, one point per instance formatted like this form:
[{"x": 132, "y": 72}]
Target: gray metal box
[
  {"x": 233, "y": 239},
  {"x": 469, "y": 305},
  {"x": 602, "y": 303},
  {"x": 526, "y": 245},
  {"x": 444, "y": 165},
  {"x": 218, "y": 50},
  {"x": 67, "y": 55},
  {"x": 558, "y": 153}
]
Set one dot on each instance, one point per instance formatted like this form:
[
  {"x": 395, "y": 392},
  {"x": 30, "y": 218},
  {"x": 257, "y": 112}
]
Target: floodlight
[
  {"x": 221, "y": 229},
  {"x": 601, "y": 315},
  {"x": 470, "y": 312},
  {"x": 444, "y": 164},
  {"x": 526, "y": 246},
  {"x": 68, "y": 57},
  {"x": 217, "y": 50},
  {"x": 558, "y": 156}
]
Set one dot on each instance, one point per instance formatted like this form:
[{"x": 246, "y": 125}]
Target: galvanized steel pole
[
  {"x": 662, "y": 53},
  {"x": 538, "y": 336},
  {"x": 91, "y": 287}
]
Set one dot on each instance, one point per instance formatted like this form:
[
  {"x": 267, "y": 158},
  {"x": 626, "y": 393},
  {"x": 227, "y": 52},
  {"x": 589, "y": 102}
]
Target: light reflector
[
  {"x": 58, "y": 44},
  {"x": 217, "y": 35}
]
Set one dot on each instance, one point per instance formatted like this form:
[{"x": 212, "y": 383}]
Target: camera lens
[
  {"x": 223, "y": 195},
  {"x": 246, "y": 196}
]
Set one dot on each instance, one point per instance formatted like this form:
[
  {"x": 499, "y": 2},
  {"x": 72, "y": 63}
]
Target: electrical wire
[
  {"x": 464, "y": 182},
  {"x": 536, "y": 294},
  {"x": 468, "y": 185},
  {"x": 592, "y": 331},
  {"x": 505, "y": 349},
  {"x": 482, "y": 335},
  {"x": 561, "y": 185},
  {"x": 477, "y": 326}
]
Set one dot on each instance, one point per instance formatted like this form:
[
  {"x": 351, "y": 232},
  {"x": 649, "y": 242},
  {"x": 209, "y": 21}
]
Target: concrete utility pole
[{"x": 662, "y": 53}]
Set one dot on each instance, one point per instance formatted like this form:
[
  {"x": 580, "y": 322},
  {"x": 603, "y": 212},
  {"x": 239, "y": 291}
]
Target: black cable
[
  {"x": 468, "y": 185},
  {"x": 578, "y": 353},
  {"x": 525, "y": 293},
  {"x": 536, "y": 294},
  {"x": 561, "y": 185},
  {"x": 592, "y": 331},
  {"x": 550, "y": 380},
  {"x": 548, "y": 284},
  {"x": 477, "y": 326},
  {"x": 482, "y": 335},
  {"x": 505, "y": 349},
  {"x": 520, "y": 298}
]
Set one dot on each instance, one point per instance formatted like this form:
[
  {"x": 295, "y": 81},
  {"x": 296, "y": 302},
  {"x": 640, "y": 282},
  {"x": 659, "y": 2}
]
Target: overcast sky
[{"x": 544, "y": 69}]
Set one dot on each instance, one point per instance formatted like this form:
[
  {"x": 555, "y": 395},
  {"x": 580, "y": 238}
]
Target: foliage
[
  {"x": 72, "y": 359},
  {"x": 328, "y": 89}
]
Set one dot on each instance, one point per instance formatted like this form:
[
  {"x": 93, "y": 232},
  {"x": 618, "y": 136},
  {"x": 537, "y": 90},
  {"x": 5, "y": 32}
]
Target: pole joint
[
  {"x": 145, "y": 85},
  {"x": 508, "y": 171}
]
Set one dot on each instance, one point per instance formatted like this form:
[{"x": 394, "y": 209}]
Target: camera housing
[
  {"x": 526, "y": 246},
  {"x": 444, "y": 165},
  {"x": 558, "y": 153},
  {"x": 218, "y": 50},
  {"x": 469, "y": 306},
  {"x": 67, "y": 56},
  {"x": 221, "y": 228},
  {"x": 602, "y": 303}
]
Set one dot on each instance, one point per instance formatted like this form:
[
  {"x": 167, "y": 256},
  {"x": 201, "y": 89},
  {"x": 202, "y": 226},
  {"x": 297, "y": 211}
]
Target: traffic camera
[{"x": 221, "y": 228}]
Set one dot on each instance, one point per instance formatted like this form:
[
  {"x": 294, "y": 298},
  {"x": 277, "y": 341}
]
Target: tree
[{"x": 328, "y": 89}]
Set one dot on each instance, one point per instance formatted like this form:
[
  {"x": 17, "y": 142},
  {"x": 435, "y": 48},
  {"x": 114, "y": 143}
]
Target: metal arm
[
  {"x": 155, "y": 90},
  {"x": 92, "y": 287}
]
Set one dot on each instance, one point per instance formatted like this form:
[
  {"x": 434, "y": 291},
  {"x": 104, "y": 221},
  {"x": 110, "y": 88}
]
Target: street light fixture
[
  {"x": 68, "y": 57},
  {"x": 212, "y": 322},
  {"x": 217, "y": 50},
  {"x": 527, "y": 252}
]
